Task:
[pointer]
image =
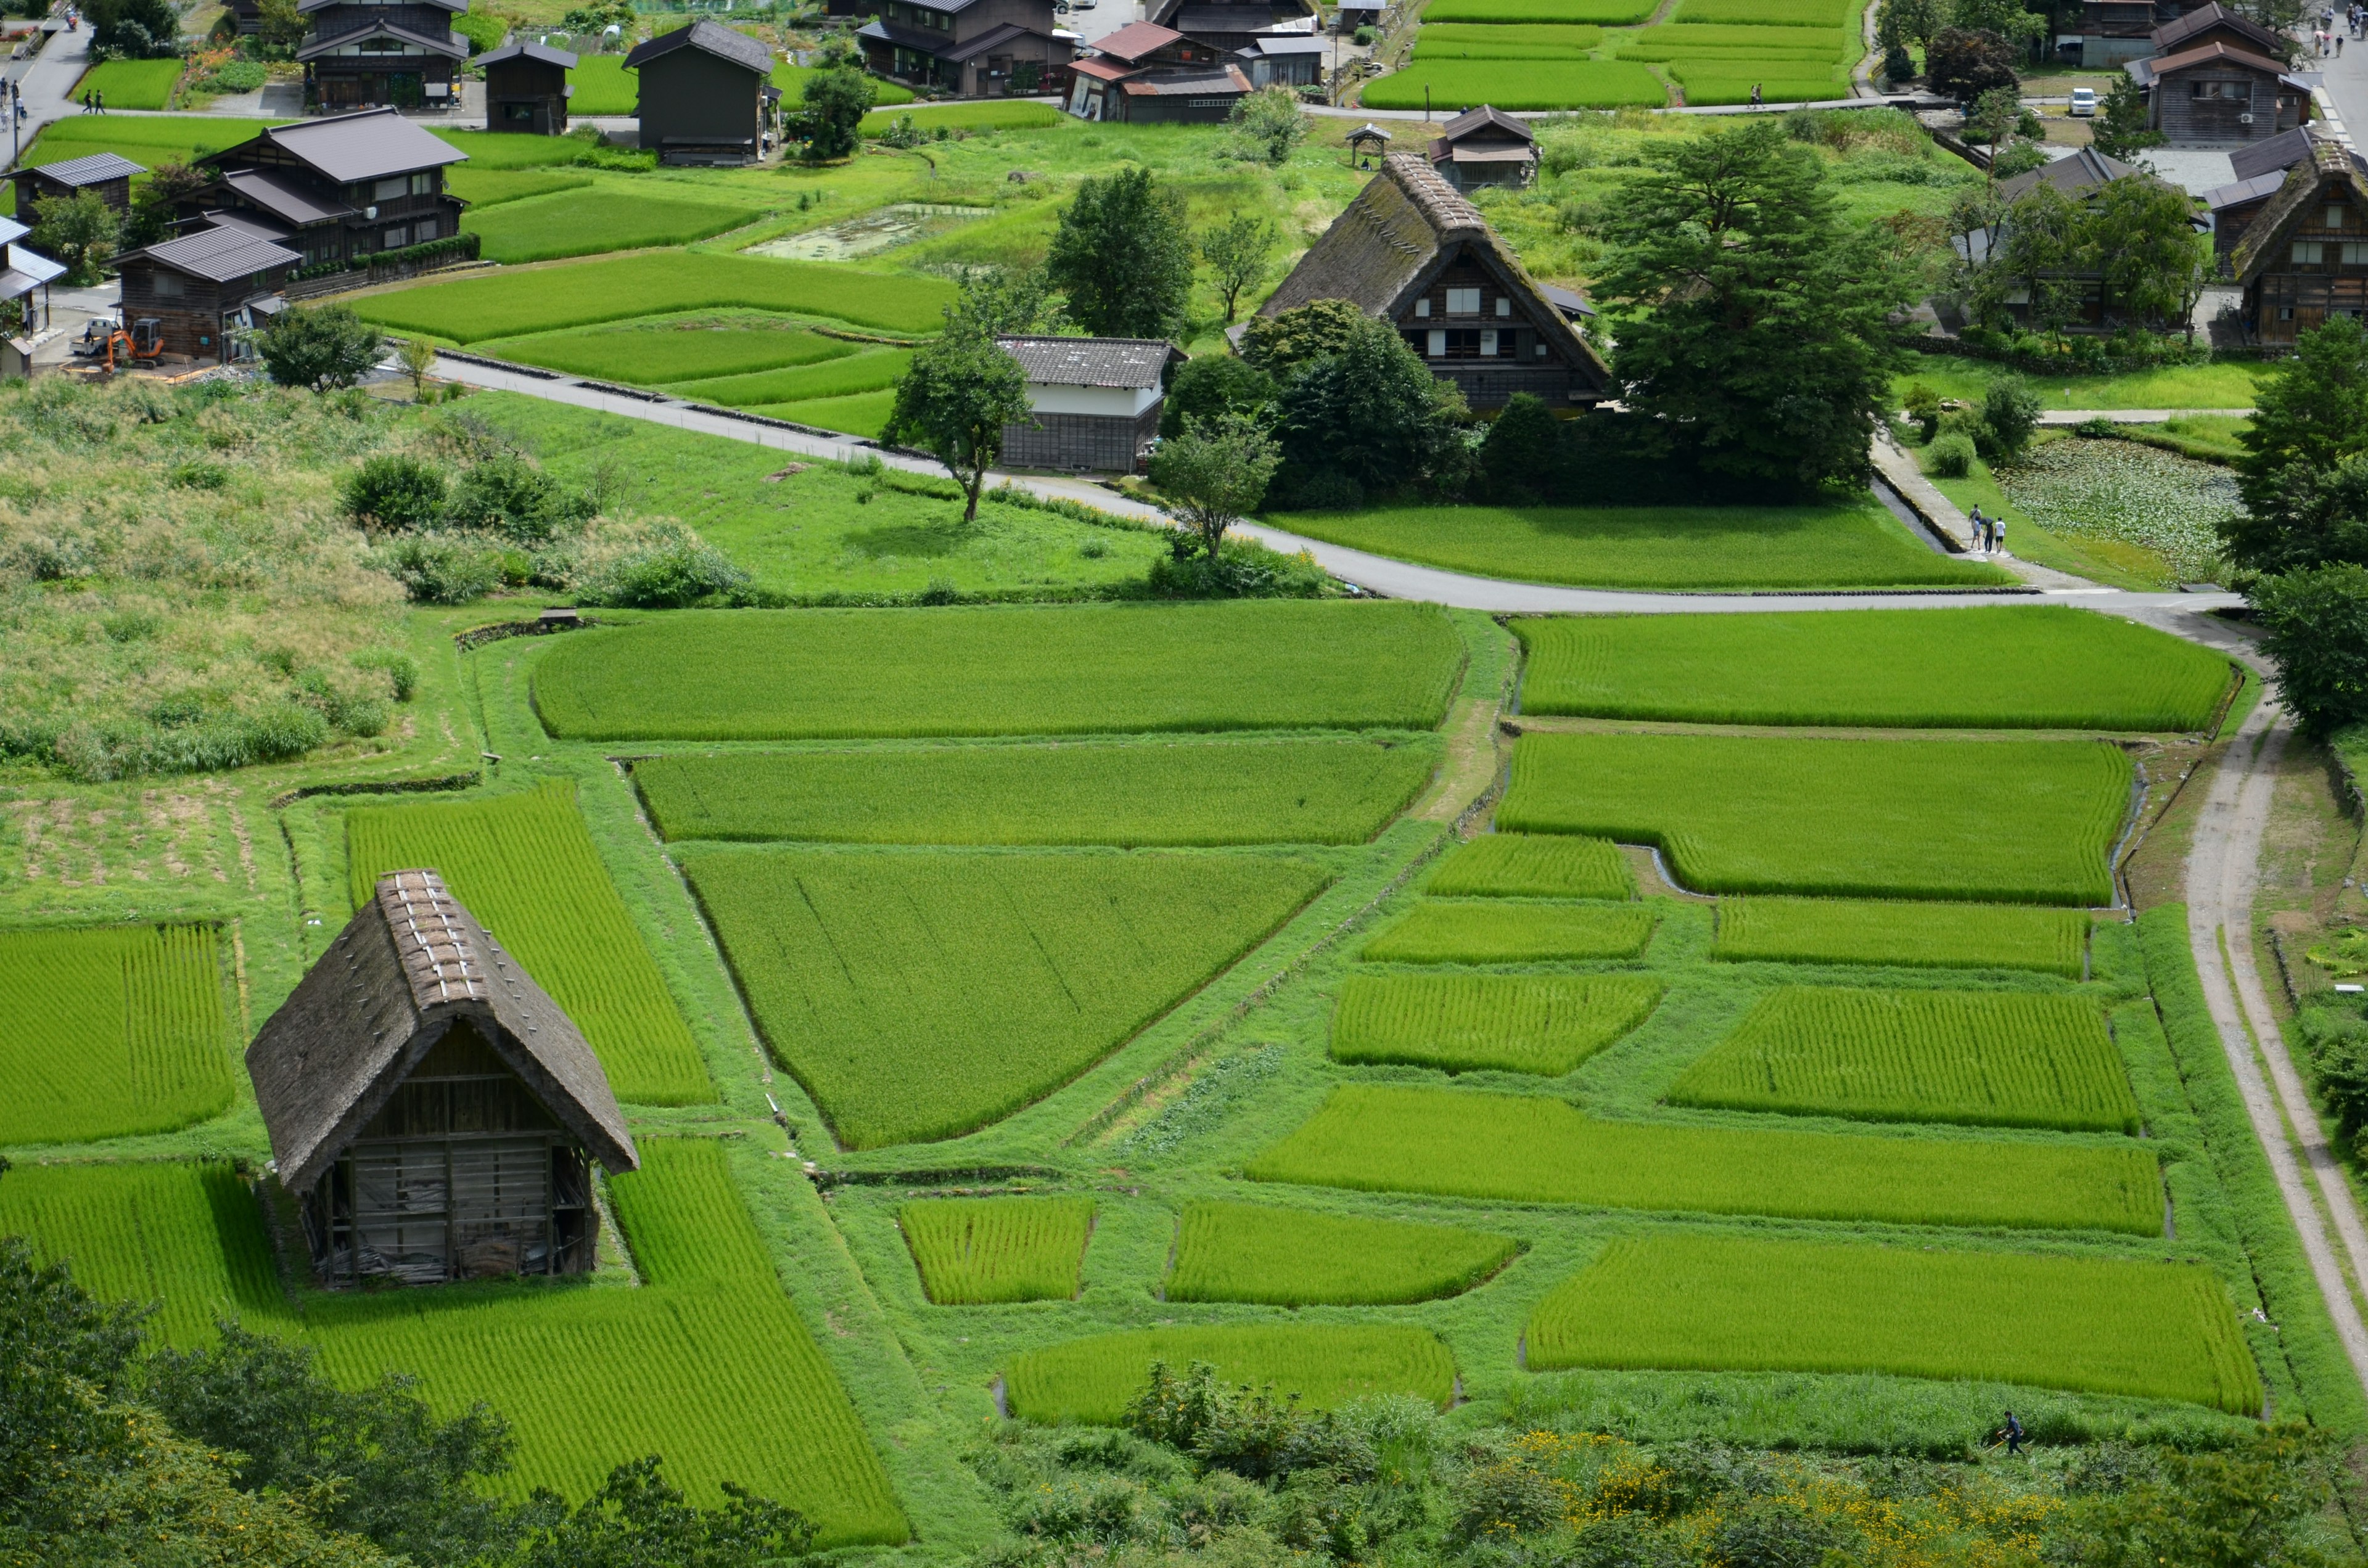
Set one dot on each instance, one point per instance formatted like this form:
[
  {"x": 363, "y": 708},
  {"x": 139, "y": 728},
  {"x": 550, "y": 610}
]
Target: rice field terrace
[
  {"x": 972, "y": 1251},
  {"x": 1296, "y": 1257},
  {"x": 1504, "y": 931},
  {"x": 1533, "y": 864},
  {"x": 1542, "y": 1024},
  {"x": 2014, "y": 822},
  {"x": 1915, "y": 935},
  {"x": 2041, "y": 668}
]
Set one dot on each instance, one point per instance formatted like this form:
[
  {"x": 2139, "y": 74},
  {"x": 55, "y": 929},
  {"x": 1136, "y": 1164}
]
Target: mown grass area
[
  {"x": 2040, "y": 667},
  {"x": 1261, "y": 791},
  {"x": 1511, "y": 1023},
  {"x": 921, "y": 995},
  {"x": 525, "y": 866},
  {"x": 506, "y": 305},
  {"x": 1295, "y": 1258},
  {"x": 1917, "y": 935},
  {"x": 691, "y": 347},
  {"x": 130, "y": 84},
  {"x": 2106, "y": 1326},
  {"x": 2011, "y": 821},
  {"x": 1849, "y": 544},
  {"x": 972, "y": 1251},
  {"x": 1533, "y": 864},
  {"x": 1091, "y": 1381},
  {"x": 1525, "y": 1149},
  {"x": 1494, "y": 930},
  {"x": 2223, "y": 384},
  {"x": 834, "y": 673},
  {"x": 109, "y": 1031},
  {"x": 606, "y": 218},
  {"x": 1983, "y": 1057}
]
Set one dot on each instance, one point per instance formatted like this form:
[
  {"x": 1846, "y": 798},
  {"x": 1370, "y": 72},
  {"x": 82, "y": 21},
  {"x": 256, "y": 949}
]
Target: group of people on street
[
  {"x": 94, "y": 102},
  {"x": 2329, "y": 42},
  {"x": 1989, "y": 533}
]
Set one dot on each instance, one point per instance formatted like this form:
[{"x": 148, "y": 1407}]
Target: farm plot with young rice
[
  {"x": 1551, "y": 82},
  {"x": 2017, "y": 822},
  {"x": 972, "y": 1251},
  {"x": 660, "y": 350},
  {"x": 920, "y": 995},
  {"x": 130, "y": 84},
  {"x": 869, "y": 371},
  {"x": 1995, "y": 1059},
  {"x": 1505, "y": 40},
  {"x": 584, "y": 222},
  {"x": 1092, "y": 1380},
  {"x": 1507, "y": 931},
  {"x": 1292, "y": 1258},
  {"x": 2041, "y": 667},
  {"x": 505, "y": 304},
  {"x": 1166, "y": 793},
  {"x": 1728, "y": 1303},
  {"x": 186, "y": 1235},
  {"x": 708, "y": 1363},
  {"x": 525, "y": 866},
  {"x": 825, "y": 674},
  {"x": 1510, "y": 1023},
  {"x": 1607, "y": 13},
  {"x": 1913, "y": 935},
  {"x": 1533, "y": 864},
  {"x": 1532, "y": 1149},
  {"x": 109, "y": 1031}
]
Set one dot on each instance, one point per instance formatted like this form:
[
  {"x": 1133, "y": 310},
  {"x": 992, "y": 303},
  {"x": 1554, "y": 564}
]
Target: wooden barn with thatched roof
[{"x": 432, "y": 1109}]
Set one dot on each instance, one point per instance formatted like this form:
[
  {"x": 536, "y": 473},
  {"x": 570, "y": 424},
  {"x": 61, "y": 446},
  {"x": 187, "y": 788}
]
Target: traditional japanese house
[
  {"x": 434, "y": 1112},
  {"x": 1282, "y": 60},
  {"x": 2215, "y": 23},
  {"x": 105, "y": 173},
  {"x": 2215, "y": 93},
  {"x": 1230, "y": 25},
  {"x": 989, "y": 48},
  {"x": 525, "y": 88},
  {"x": 1486, "y": 146},
  {"x": 1095, "y": 402},
  {"x": 2078, "y": 178},
  {"x": 201, "y": 288},
  {"x": 364, "y": 52},
  {"x": 1412, "y": 250},
  {"x": 1144, "y": 72},
  {"x": 335, "y": 190},
  {"x": 2305, "y": 257},
  {"x": 2260, "y": 170},
  {"x": 707, "y": 95},
  {"x": 2114, "y": 32}
]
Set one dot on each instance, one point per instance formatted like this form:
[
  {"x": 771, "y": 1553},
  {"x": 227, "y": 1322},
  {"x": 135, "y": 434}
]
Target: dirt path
[{"x": 2222, "y": 870}]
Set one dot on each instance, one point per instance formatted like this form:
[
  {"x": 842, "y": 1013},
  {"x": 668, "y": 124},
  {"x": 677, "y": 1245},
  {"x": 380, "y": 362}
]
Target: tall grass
[{"x": 1091, "y": 1381}]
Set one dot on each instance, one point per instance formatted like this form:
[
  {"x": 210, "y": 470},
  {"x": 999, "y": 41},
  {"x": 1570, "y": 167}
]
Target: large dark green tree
[
  {"x": 2305, "y": 473},
  {"x": 1749, "y": 320},
  {"x": 835, "y": 103},
  {"x": 1370, "y": 414},
  {"x": 1123, "y": 257},
  {"x": 321, "y": 346},
  {"x": 957, "y": 396}
]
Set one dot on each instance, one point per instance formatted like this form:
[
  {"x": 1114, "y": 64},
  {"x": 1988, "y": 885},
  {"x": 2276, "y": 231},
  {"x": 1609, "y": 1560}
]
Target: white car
[{"x": 2084, "y": 101}]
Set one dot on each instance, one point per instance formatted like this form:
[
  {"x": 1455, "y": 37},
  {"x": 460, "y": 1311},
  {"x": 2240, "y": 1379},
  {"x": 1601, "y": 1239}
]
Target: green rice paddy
[
  {"x": 972, "y": 1251},
  {"x": 109, "y": 1031},
  {"x": 660, "y": 350},
  {"x": 1511, "y": 1023},
  {"x": 1091, "y": 1381},
  {"x": 586, "y": 222},
  {"x": 1504, "y": 931},
  {"x": 1295, "y": 1258},
  {"x": 130, "y": 84},
  {"x": 1533, "y": 864},
  {"x": 1547, "y": 83},
  {"x": 1915, "y": 935}
]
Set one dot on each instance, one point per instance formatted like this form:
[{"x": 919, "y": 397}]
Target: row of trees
[{"x": 2133, "y": 238}]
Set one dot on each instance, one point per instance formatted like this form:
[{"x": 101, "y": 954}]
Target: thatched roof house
[
  {"x": 1412, "y": 250},
  {"x": 431, "y": 1106},
  {"x": 2305, "y": 256}
]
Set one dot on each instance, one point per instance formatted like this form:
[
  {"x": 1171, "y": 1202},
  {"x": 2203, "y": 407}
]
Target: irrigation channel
[{"x": 2222, "y": 866}]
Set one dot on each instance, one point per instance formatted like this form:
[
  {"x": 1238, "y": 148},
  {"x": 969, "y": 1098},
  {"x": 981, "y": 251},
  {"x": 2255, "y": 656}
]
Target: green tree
[
  {"x": 1521, "y": 451},
  {"x": 2009, "y": 416},
  {"x": 1900, "y": 23},
  {"x": 418, "y": 356},
  {"x": 80, "y": 230},
  {"x": 955, "y": 399},
  {"x": 2119, "y": 130},
  {"x": 636, "y": 1520},
  {"x": 1214, "y": 473},
  {"x": 1373, "y": 414},
  {"x": 156, "y": 204},
  {"x": 1280, "y": 344},
  {"x": 132, "y": 29},
  {"x": 1209, "y": 386},
  {"x": 1747, "y": 317},
  {"x": 322, "y": 348},
  {"x": 2140, "y": 234},
  {"x": 1123, "y": 257},
  {"x": 835, "y": 103},
  {"x": 2310, "y": 518},
  {"x": 1963, "y": 65},
  {"x": 1267, "y": 125},
  {"x": 1240, "y": 252},
  {"x": 2310, "y": 409},
  {"x": 280, "y": 28}
]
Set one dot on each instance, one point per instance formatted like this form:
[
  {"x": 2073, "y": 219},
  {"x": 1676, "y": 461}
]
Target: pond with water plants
[{"x": 2119, "y": 490}]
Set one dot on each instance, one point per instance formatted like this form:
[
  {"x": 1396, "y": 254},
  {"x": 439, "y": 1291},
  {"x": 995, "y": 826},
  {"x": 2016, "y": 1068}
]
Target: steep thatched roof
[
  {"x": 2307, "y": 184},
  {"x": 405, "y": 970}
]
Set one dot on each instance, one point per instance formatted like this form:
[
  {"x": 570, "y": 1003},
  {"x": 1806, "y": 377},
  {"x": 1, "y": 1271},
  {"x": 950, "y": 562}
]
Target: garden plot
[
  {"x": 505, "y": 304},
  {"x": 1988, "y": 1058},
  {"x": 1491, "y": 930},
  {"x": 1511, "y": 1023},
  {"x": 2021, "y": 822},
  {"x": 2122, "y": 491},
  {"x": 1173, "y": 794},
  {"x": 922, "y": 995},
  {"x": 130, "y": 83},
  {"x": 1728, "y": 1303},
  {"x": 2038, "y": 667},
  {"x": 109, "y": 1031},
  {"x": 1525, "y": 1149},
  {"x": 1292, "y": 1258},
  {"x": 976, "y": 1250},
  {"x": 739, "y": 674},
  {"x": 882, "y": 228},
  {"x": 524, "y": 865},
  {"x": 1092, "y": 1380},
  {"x": 1915, "y": 935},
  {"x": 659, "y": 350},
  {"x": 607, "y": 217},
  {"x": 1533, "y": 864}
]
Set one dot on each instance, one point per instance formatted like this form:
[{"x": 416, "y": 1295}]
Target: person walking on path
[
  {"x": 1981, "y": 533},
  {"x": 1755, "y": 95},
  {"x": 1997, "y": 536},
  {"x": 2013, "y": 1434},
  {"x": 100, "y": 99}
]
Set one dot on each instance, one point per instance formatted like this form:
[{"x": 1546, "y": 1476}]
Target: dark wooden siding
[
  {"x": 2207, "y": 103},
  {"x": 1101, "y": 443},
  {"x": 693, "y": 104},
  {"x": 528, "y": 96}
]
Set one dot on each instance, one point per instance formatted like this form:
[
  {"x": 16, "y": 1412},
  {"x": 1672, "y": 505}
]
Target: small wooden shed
[
  {"x": 433, "y": 1109},
  {"x": 525, "y": 88},
  {"x": 105, "y": 173}
]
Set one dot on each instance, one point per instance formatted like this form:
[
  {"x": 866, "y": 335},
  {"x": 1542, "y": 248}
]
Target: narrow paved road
[{"x": 2221, "y": 872}]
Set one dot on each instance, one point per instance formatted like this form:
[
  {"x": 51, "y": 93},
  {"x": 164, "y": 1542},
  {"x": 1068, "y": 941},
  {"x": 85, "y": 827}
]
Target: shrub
[
  {"x": 1923, "y": 406},
  {"x": 508, "y": 495},
  {"x": 394, "y": 491},
  {"x": 1210, "y": 386},
  {"x": 320, "y": 348},
  {"x": 2096, "y": 428},
  {"x": 438, "y": 568},
  {"x": 1952, "y": 455},
  {"x": 2010, "y": 413},
  {"x": 1242, "y": 569},
  {"x": 402, "y": 669},
  {"x": 2316, "y": 628},
  {"x": 673, "y": 569}
]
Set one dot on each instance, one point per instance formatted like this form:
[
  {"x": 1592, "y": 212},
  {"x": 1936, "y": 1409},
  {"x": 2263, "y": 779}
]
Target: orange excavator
[{"x": 142, "y": 348}]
